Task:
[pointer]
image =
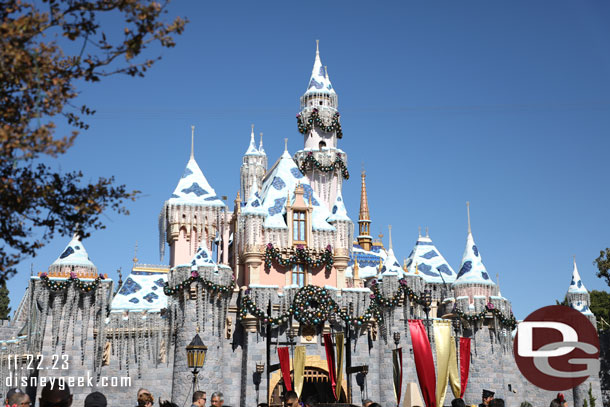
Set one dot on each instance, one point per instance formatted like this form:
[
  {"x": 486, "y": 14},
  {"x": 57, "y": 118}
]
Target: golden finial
[
  {"x": 135, "y": 254},
  {"x": 260, "y": 145},
  {"x": 404, "y": 264},
  {"x": 416, "y": 269},
  {"x": 192, "y": 141}
]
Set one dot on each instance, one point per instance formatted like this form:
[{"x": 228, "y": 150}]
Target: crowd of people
[{"x": 60, "y": 396}]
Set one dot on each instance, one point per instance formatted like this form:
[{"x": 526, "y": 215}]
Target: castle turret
[
  {"x": 321, "y": 160},
  {"x": 344, "y": 237},
  {"x": 191, "y": 215},
  {"x": 578, "y": 296},
  {"x": 473, "y": 283},
  {"x": 74, "y": 259},
  {"x": 253, "y": 167},
  {"x": 364, "y": 219}
]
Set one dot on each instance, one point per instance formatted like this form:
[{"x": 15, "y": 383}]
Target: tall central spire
[{"x": 364, "y": 220}]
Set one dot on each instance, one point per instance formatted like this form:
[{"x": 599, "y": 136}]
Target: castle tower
[
  {"x": 250, "y": 230},
  {"x": 193, "y": 214},
  {"x": 578, "y": 296},
  {"x": 74, "y": 259},
  {"x": 364, "y": 220},
  {"x": 321, "y": 160},
  {"x": 472, "y": 280},
  {"x": 344, "y": 237},
  {"x": 253, "y": 167}
]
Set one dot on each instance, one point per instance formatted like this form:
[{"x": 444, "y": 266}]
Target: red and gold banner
[
  {"x": 464, "y": 363},
  {"x": 284, "y": 357},
  {"x": 424, "y": 363},
  {"x": 330, "y": 360}
]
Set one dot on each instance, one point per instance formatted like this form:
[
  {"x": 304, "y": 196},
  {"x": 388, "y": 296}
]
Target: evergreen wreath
[
  {"x": 310, "y": 161},
  {"x": 301, "y": 256},
  {"x": 314, "y": 119},
  {"x": 509, "y": 322}
]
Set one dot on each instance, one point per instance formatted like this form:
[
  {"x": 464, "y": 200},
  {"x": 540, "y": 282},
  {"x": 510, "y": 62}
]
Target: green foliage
[
  {"x": 48, "y": 49},
  {"x": 590, "y": 397},
  {"x": 603, "y": 265},
  {"x": 5, "y": 310},
  {"x": 600, "y": 307}
]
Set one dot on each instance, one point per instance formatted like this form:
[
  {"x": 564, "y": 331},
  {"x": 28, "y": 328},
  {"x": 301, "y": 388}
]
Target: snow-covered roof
[
  {"x": 319, "y": 81},
  {"x": 202, "y": 258},
  {"x": 472, "y": 270},
  {"x": 581, "y": 306},
  {"x": 391, "y": 266},
  {"x": 368, "y": 261},
  {"x": 338, "y": 212},
  {"x": 427, "y": 261},
  {"x": 576, "y": 285},
  {"x": 142, "y": 290},
  {"x": 254, "y": 205},
  {"x": 252, "y": 150},
  {"x": 74, "y": 255},
  {"x": 193, "y": 188},
  {"x": 280, "y": 183}
]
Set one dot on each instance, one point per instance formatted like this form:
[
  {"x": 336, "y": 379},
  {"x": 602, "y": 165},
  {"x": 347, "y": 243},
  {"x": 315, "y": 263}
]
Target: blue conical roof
[
  {"x": 319, "y": 81},
  {"x": 193, "y": 188},
  {"x": 472, "y": 270},
  {"x": 576, "y": 285},
  {"x": 427, "y": 261},
  {"x": 338, "y": 211},
  {"x": 74, "y": 255}
]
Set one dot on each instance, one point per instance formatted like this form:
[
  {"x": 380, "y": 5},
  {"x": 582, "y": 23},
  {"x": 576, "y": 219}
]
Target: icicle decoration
[
  {"x": 67, "y": 318},
  {"x": 162, "y": 230},
  {"x": 86, "y": 312}
]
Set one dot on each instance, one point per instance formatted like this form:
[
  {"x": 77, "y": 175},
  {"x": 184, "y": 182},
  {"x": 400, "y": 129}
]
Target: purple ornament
[
  {"x": 73, "y": 275},
  {"x": 194, "y": 274}
]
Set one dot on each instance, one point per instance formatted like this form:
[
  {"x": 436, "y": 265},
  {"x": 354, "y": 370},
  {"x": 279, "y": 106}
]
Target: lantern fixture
[
  {"x": 396, "y": 338},
  {"x": 195, "y": 356}
]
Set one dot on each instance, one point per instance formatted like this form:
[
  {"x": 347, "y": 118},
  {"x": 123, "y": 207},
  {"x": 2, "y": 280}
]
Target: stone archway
[{"x": 315, "y": 377}]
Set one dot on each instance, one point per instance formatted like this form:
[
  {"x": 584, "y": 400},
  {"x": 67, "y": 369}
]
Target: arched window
[
  {"x": 299, "y": 227},
  {"x": 299, "y": 275},
  {"x": 322, "y": 144}
]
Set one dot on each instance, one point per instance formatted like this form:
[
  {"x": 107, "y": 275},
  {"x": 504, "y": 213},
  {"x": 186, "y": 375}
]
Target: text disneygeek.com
[{"x": 70, "y": 381}]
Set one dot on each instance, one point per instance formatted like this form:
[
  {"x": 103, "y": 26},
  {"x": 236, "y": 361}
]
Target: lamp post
[
  {"x": 427, "y": 298},
  {"x": 260, "y": 369},
  {"x": 195, "y": 356}
]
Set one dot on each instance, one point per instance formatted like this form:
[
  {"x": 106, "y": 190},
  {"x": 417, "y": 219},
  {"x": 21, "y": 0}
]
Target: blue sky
[{"x": 503, "y": 104}]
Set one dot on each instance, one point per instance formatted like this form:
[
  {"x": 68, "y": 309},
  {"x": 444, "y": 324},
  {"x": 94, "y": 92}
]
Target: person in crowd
[
  {"x": 366, "y": 402},
  {"x": 17, "y": 398},
  {"x": 496, "y": 403},
  {"x": 142, "y": 390},
  {"x": 561, "y": 399},
  {"x": 145, "y": 399},
  {"x": 55, "y": 395},
  {"x": 262, "y": 405},
  {"x": 458, "y": 403},
  {"x": 96, "y": 399},
  {"x": 488, "y": 396},
  {"x": 311, "y": 401},
  {"x": 375, "y": 405},
  {"x": 291, "y": 399},
  {"x": 199, "y": 399},
  {"x": 217, "y": 399},
  {"x": 167, "y": 403}
]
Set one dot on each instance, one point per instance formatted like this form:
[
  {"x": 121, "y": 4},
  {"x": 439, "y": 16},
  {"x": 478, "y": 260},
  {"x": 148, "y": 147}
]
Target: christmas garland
[
  {"x": 301, "y": 256},
  {"x": 312, "y": 305},
  {"x": 393, "y": 302},
  {"x": 195, "y": 277},
  {"x": 55, "y": 285},
  {"x": 311, "y": 160},
  {"x": 509, "y": 322},
  {"x": 314, "y": 119}
]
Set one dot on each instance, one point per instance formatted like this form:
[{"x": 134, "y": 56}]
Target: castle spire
[
  {"x": 192, "y": 142},
  {"x": 468, "y": 212},
  {"x": 260, "y": 144},
  {"x": 390, "y": 237},
  {"x": 319, "y": 82},
  {"x": 364, "y": 220},
  {"x": 252, "y": 150}
]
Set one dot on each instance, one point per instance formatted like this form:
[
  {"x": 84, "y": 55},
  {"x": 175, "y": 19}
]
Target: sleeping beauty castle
[{"x": 283, "y": 291}]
